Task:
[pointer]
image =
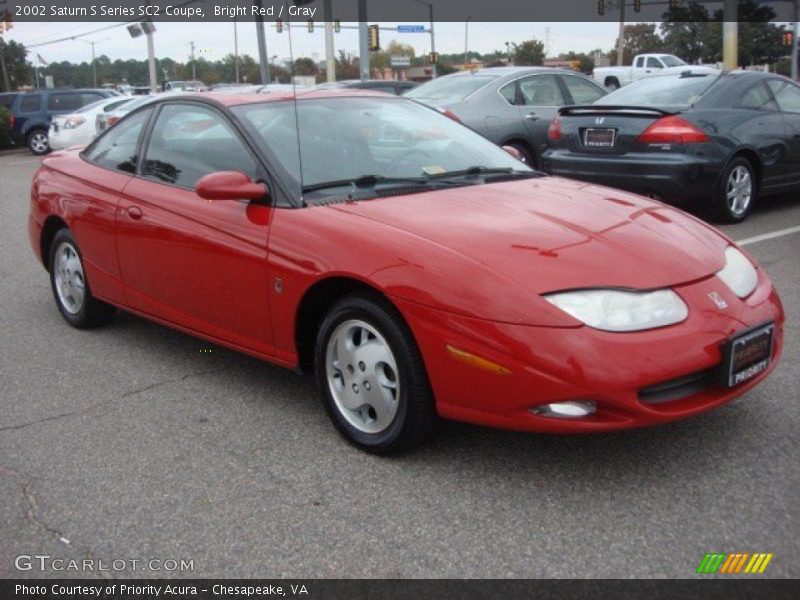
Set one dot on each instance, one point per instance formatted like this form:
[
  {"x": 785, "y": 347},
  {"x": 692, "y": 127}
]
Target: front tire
[
  {"x": 71, "y": 288},
  {"x": 736, "y": 192},
  {"x": 371, "y": 376},
  {"x": 38, "y": 142}
]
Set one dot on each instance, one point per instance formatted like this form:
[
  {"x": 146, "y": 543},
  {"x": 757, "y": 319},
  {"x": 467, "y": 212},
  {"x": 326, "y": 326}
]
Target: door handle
[
  {"x": 134, "y": 212},
  {"x": 532, "y": 116}
]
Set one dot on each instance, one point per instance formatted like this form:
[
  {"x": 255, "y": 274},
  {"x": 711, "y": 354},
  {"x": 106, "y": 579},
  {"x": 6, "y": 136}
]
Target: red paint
[{"x": 464, "y": 266}]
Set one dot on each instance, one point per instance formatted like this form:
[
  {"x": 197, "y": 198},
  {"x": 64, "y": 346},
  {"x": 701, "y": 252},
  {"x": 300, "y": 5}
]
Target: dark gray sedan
[
  {"x": 511, "y": 106},
  {"x": 716, "y": 142}
]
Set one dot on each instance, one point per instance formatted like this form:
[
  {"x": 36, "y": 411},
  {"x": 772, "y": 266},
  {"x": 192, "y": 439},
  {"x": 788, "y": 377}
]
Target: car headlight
[
  {"x": 74, "y": 122},
  {"x": 617, "y": 310},
  {"x": 738, "y": 274}
]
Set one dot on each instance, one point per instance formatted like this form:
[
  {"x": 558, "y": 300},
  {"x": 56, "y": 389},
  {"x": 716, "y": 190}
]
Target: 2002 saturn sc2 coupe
[{"x": 420, "y": 271}]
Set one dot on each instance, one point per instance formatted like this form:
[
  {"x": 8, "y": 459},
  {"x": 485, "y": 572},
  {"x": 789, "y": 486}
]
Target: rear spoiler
[{"x": 602, "y": 109}]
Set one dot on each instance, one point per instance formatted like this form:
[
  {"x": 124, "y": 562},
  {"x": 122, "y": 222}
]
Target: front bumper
[
  {"x": 617, "y": 371},
  {"x": 671, "y": 177}
]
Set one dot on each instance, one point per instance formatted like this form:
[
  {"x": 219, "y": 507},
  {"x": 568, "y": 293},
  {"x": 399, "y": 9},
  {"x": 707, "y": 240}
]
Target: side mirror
[
  {"x": 514, "y": 152},
  {"x": 230, "y": 185}
]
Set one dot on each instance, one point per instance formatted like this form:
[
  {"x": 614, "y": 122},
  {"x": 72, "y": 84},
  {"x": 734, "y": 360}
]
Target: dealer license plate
[
  {"x": 599, "y": 138},
  {"x": 748, "y": 354}
]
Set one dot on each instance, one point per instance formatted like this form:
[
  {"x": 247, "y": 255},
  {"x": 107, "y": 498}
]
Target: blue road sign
[{"x": 411, "y": 29}]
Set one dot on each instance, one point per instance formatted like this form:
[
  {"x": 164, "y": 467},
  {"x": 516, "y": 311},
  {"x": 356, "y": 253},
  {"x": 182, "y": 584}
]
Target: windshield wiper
[
  {"x": 485, "y": 171},
  {"x": 364, "y": 181}
]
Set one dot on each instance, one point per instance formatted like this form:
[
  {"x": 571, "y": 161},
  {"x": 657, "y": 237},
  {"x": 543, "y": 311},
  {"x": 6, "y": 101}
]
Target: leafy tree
[
  {"x": 347, "y": 66},
  {"x": 304, "y": 66},
  {"x": 530, "y": 52},
  {"x": 640, "y": 38},
  {"x": 19, "y": 72},
  {"x": 759, "y": 40},
  {"x": 688, "y": 33}
]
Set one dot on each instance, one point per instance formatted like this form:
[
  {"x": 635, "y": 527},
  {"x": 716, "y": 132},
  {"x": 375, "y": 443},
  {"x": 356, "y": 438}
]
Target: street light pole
[
  {"x": 621, "y": 38},
  {"x": 94, "y": 60},
  {"x": 330, "y": 58},
  {"x": 363, "y": 40},
  {"x": 433, "y": 36},
  {"x": 261, "y": 37},
  {"x": 466, "y": 41}
]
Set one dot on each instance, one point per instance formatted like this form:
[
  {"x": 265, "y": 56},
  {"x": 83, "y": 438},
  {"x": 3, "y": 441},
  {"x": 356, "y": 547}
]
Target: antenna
[{"x": 294, "y": 99}]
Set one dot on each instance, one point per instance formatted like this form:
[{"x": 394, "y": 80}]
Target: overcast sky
[{"x": 215, "y": 40}]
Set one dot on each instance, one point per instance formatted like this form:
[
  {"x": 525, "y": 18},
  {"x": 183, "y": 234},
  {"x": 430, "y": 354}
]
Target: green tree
[
  {"x": 688, "y": 33},
  {"x": 304, "y": 66},
  {"x": 759, "y": 40},
  {"x": 529, "y": 52},
  {"x": 640, "y": 38},
  {"x": 18, "y": 70}
]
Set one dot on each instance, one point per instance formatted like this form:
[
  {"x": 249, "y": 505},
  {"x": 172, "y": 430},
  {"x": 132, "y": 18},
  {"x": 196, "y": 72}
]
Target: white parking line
[{"x": 769, "y": 236}]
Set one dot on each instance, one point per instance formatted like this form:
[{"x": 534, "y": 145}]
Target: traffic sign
[{"x": 411, "y": 29}]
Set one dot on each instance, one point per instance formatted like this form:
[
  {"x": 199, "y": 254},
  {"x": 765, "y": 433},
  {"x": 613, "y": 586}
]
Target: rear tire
[
  {"x": 527, "y": 156},
  {"x": 71, "y": 288},
  {"x": 736, "y": 192},
  {"x": 38, "y": 142},
  {"x": 371, "y": 376},
  {"x": 612, "y": 83}
]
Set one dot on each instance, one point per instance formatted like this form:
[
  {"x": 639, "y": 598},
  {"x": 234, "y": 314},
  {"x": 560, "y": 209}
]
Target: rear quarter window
[{"x": 32, "y": 103}]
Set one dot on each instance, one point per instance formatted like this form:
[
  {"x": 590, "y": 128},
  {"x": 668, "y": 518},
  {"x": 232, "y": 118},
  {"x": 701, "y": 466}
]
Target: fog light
[{"x": 574, "y": 409}]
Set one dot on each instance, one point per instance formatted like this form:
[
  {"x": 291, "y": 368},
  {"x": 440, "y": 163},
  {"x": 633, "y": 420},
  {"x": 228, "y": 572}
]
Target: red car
[{"x": 419, "y": 270}]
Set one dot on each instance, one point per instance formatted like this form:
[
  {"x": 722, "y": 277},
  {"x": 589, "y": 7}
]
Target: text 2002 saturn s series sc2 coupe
[{"x": 418, "y": 269}]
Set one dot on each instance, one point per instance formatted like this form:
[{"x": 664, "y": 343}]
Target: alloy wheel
[
  {"x": 69, "y": 278},
  {"x": 362, "y": 376},
  {"x": 739, "y": 190}
]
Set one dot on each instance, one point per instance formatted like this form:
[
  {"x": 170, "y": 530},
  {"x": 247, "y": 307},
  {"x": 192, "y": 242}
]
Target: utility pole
[
  {"x": 194, "y": 66},
  {"x": 621, "y": 38},
  {"x": 433, "y": 37},
  {"x": 236, "y": 49},
  {"x": 94, "y": 60},
  {"x": 466, "y": 41},
  {"x": 363, "y": 40},
  {"x": 730, "y": 35},
  {"x": 151, "y": 60},
  {"x": 795, "y": 42},
  {"x": 330, "y": 58},
  {"x": 261, "y": 37}
]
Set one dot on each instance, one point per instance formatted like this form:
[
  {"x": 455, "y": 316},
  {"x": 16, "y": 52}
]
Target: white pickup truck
[{"x": 645, "y": 65}]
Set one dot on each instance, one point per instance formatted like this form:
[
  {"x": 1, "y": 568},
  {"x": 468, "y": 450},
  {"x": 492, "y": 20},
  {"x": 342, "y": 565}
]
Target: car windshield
[
  {"x": 671, "y": 61},
  {"x": 660, "y": 91},
  {"x": 352, "y": 140},
  {"x": 450, "y": 89}
]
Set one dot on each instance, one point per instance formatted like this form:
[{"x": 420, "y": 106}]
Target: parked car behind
[
  {"x": 379, "y": 85},
  {"x": 80, "y": 127},
  {"x": 716, "y": 142},
  {"x": 644, "y": 66},
  {"x": 104, "y": 120},
  {"x": 511, "y": 106},
  {"x": 33, "y": 112}
]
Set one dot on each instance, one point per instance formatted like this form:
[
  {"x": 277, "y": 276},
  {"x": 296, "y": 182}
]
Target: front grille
[{"x": 681, "y": 387}]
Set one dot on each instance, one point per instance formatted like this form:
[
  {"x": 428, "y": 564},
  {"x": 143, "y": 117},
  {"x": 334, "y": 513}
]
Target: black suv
[{"x": 32, "y": 112}]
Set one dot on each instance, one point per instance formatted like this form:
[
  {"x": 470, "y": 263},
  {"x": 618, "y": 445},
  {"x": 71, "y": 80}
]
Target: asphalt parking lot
[{"x": 138, "y": 442}]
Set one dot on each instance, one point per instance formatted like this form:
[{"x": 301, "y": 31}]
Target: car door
[
  {"x": 195, "y": 263},
  {"x": 540, "y": 96},
  {"x": 763, "y": 128},
  {"x": 653, "y": 67},
  {"x": 580, "y": 90},
  {"x": 787, "y": 96}
]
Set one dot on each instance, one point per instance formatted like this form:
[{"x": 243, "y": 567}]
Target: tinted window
[
  {"x": 509, "y": 92},
  {"x": 660, "y": 91},
  {"x": 582, "y": 91},
  {"x": 32, "y": 103},
  {"x": 452, "y": 88},
  {"x": 189, "y": 142},
  {"x": 654, "y": 63},
  {"x": 541, "y": 90},
  {"x": 89, "y": 97},
  {"x": 757, "y": 97},
  {"x": 640, "y": 61},
  {"x": 64, "y": 102},
  {"x": 118, "y": 148},
  {"x": 7, "y": 100},
  {"x": 786, "y": 94}
]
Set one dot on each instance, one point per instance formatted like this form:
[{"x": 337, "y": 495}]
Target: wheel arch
[
  {"x": 52, "y": 225},
  {"x": 314, "y": 305},
  {"x": 752, "y": 157},
  {"x": 516, "y": 139}
]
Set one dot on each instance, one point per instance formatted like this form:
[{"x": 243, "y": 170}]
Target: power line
[{"x": 72, "y": 37}]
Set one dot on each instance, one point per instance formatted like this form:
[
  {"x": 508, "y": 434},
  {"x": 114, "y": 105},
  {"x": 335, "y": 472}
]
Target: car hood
[{"x": 552, "y": 234}]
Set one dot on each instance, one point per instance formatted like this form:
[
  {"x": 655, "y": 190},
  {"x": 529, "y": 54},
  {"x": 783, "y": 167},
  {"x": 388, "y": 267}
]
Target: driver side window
[
  {"x": 119, "y": 148},
  {"x": 190, "y": 141},
  {"x": 654, "y": 63}
]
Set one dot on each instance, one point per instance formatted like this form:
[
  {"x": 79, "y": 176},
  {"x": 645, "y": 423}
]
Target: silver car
[{"x": 511, "y": 106}]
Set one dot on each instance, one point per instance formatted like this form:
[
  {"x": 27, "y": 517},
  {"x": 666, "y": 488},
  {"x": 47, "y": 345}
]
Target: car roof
[{"x": 278, "y": 95}]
